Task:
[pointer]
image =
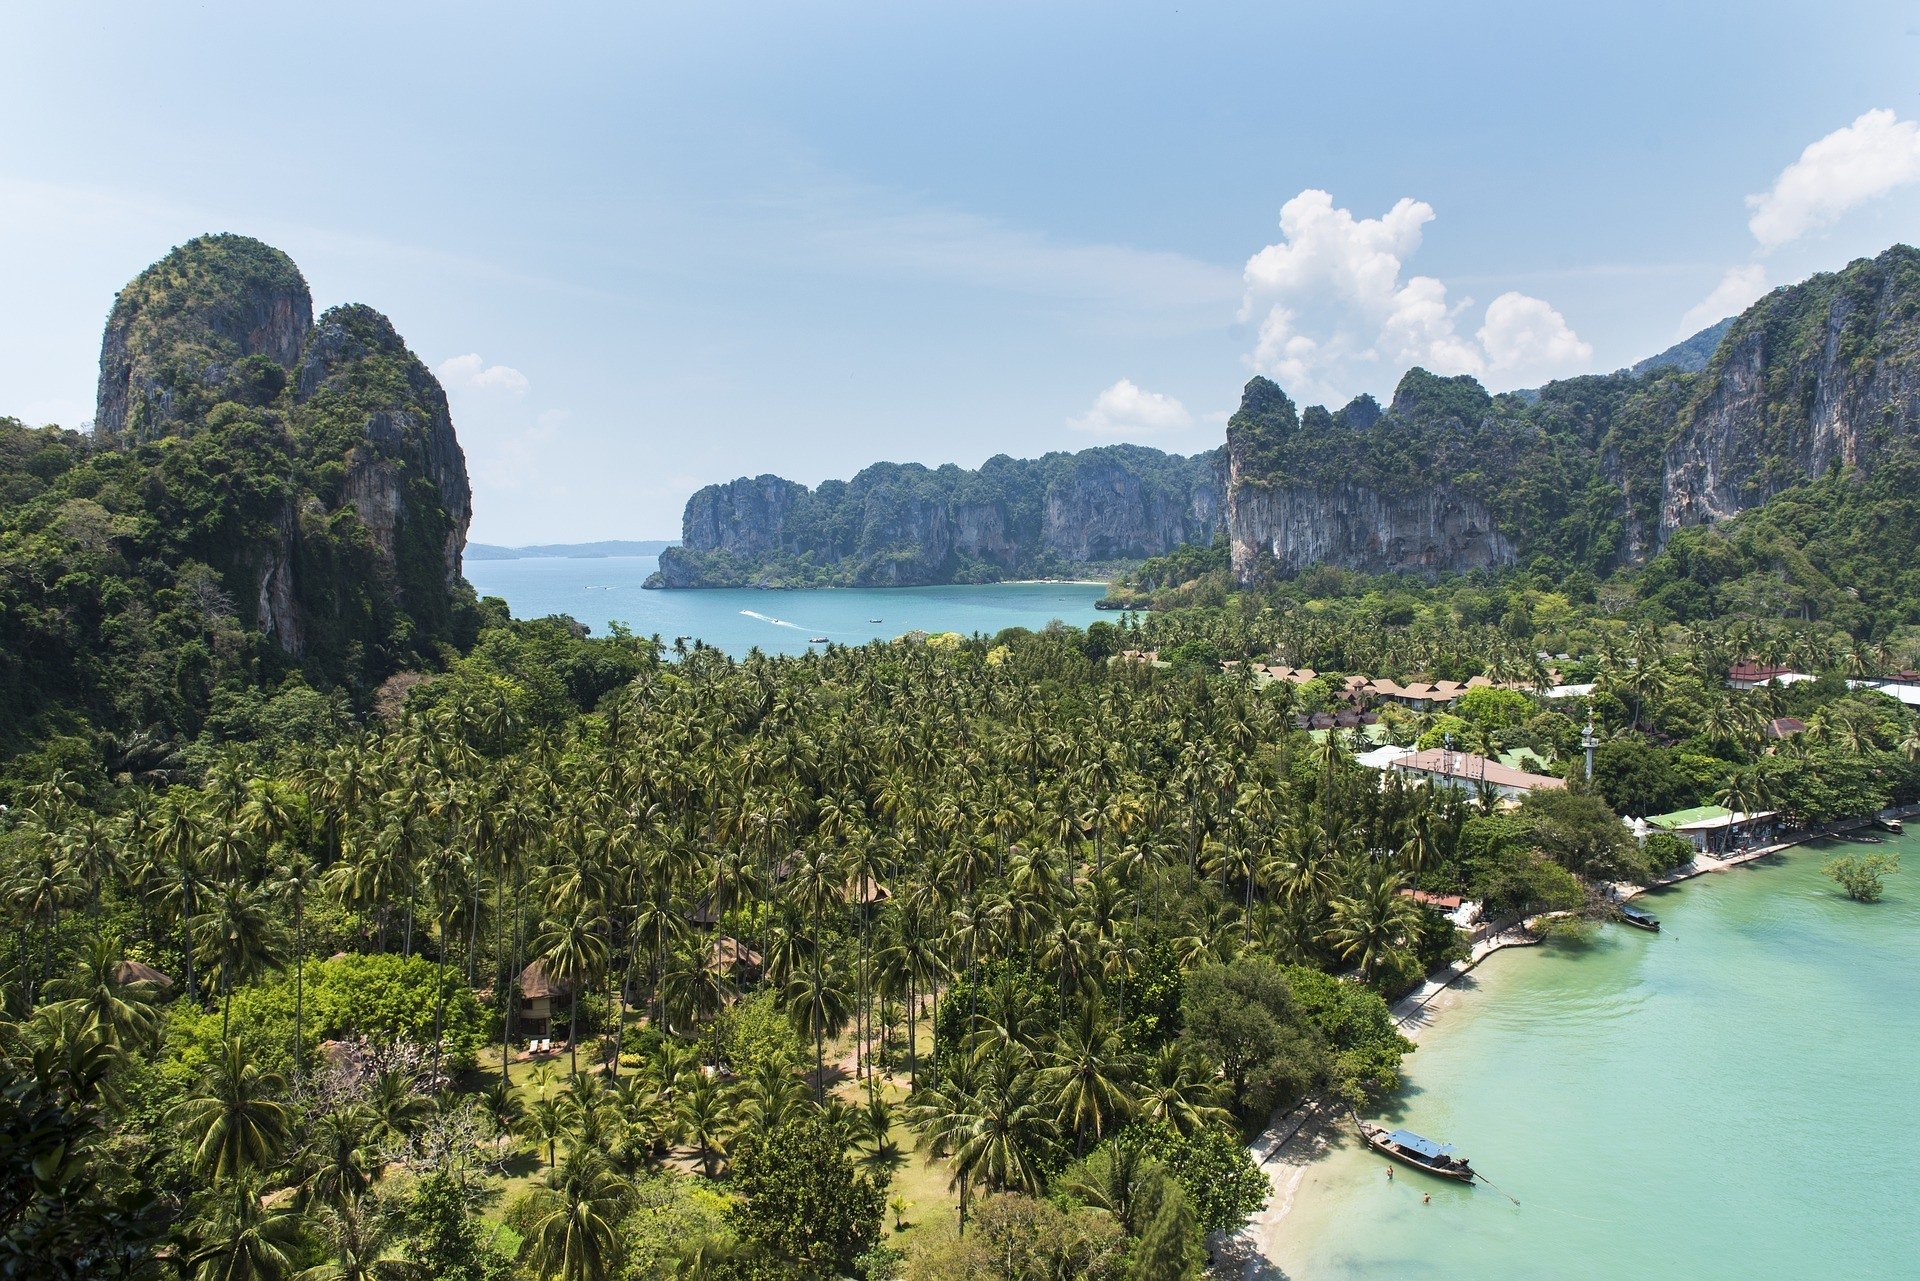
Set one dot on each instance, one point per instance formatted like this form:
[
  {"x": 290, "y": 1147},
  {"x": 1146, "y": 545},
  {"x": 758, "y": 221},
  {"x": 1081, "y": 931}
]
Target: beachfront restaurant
[{"x": 1714, "y": 828}]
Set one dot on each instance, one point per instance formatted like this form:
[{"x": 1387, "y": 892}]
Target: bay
[
  {"x": 603, "y": 591},
  {"x": 1732, "y": 1097}
]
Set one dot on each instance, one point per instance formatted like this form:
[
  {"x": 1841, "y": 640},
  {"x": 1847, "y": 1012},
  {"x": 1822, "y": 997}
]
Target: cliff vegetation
[{"x": 265, "y": 504}]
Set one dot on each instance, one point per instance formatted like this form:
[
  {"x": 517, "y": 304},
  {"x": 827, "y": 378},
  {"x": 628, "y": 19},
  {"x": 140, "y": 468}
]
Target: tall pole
[{"x": 1588, "y": 742}]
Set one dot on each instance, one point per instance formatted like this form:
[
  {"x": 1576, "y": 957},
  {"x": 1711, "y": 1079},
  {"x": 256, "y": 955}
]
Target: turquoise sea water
[
  {"x": 598, "y": 592},
  {"x": 1737, "y": 1096}
]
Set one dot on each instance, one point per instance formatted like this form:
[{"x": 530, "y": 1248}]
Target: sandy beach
[{"x": 1289, "y": 1146}]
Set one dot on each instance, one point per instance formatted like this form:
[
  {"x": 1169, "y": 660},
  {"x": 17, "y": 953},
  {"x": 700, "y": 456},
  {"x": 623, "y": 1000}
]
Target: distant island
[
  {"x": 1589, "y": 475},
  {"x": 571, "y": 551}
]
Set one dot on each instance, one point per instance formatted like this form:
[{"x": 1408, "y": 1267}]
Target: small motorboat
[
  {"x": 1639, "y": 920},
  {"x": 1893, "y": 825},
  {"x": 1409, "y": 1148},
  {"x": 876, "y": 620},
  {"x": 817, "y": 640}
]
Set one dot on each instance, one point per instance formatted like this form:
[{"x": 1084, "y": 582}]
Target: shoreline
[{"x": 1287, "y": 1148}]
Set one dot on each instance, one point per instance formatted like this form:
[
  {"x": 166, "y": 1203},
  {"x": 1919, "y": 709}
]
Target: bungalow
[
  {"x": 538, "y": 992},
  {"x": 127, "y": 973},
  {"x": 729, "y": 956},
  {"x": 1439, "y": 766},
  {"x": 1712, "y": 827}
]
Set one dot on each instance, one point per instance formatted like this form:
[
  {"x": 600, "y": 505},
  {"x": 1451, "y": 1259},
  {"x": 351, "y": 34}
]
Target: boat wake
[{"x": 777, "y": 622}]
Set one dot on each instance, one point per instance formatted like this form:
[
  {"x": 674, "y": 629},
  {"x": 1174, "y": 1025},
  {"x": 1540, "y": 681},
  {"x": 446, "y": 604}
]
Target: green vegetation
[
  {"x": 1019, "y": 935},
  {"x": 901, "y": 523},
  {"x": 238, "y": 543},
  {"x": 1863, "y": 876}
]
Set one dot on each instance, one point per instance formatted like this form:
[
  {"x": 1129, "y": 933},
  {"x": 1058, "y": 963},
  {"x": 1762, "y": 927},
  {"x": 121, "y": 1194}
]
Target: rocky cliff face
[
  {"x": 212, "y": 321},
  {"x": 1287, "y": 528},
  {"x": 901, "y": 525},
  {"x": 1590, "y": 473},
  {"x": 1596, "y": 471},
  {"x": 744, "y": 517},
  {"x": 1821, "y": 375},
  {"x": 1277, "y": 524},
  {"x": 218, "y": 336},
  {"x": 406, "y": 475}
]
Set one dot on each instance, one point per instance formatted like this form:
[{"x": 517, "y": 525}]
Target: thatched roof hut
[
  {"x": 865, "y": 891},
  {"x": 729, "y": 953},
  {"x": 139, "y": 972},
  {"x": 535, "y": 983}
]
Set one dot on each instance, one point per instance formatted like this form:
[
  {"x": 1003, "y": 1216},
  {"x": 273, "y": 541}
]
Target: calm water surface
[
  {"x": 1737, "y": 1096},
  {"x": 599, "y": 592}
]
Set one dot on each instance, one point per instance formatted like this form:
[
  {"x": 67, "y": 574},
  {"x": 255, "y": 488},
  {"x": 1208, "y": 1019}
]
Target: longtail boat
[
  {"x": 1423, "y": 1154},
  {"x": 1639, "y": 920}
]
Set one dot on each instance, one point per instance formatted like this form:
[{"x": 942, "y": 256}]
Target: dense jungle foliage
[{"x": 1015, "y": 931}]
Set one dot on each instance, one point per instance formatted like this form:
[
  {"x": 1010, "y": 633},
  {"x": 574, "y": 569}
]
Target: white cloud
[
  {"x": 1525, "y": 333},
  {"x": 1335, "y": 315},
  {"x": 1874, "y": 155},
  {"x": 1739, "y": 289},
  {"x": 1127, "y": 410},
  {"x": 473, "y": 372}
]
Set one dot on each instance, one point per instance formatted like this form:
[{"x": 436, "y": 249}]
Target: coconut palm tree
[
  {"x": 245, "y": 1240},
  {"x": 575, "y": 951},
  {"x": 1372, "y": 923},
  {"x": 122, "y": 1013},
  {"x": 576, "y": 1208},
  {"x": 1089, "y": 1077},
  {"x": 234, "y": 1122}
]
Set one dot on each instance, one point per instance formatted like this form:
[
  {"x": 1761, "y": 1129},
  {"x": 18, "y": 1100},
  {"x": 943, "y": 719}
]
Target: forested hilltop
[
  {"x": 270, "y": 511},
  {"x": 898, "y": 525},
  {"x": 1588, "y": 474}
]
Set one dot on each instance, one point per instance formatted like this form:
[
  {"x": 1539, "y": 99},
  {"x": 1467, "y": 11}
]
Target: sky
[{"x": 652, "y": 247}]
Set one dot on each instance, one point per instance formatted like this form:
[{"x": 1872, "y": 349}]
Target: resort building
[
  {"x": 1709, "y": 827},
  {"x": 1785, "y": 727},
  {"x": 1747, "y": 674},
  {"x": 1467, "y": 770},
  {"x": 1905, "y": 687}
]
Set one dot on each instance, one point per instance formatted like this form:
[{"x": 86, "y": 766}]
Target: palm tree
[
  {"x": 235, "y": 934},
  {"x": 1089, "y": 1078},
  {"x": 344, "y": 1164},
  {"x": 234, "y": 1122},
  {"x": 366, "y": 1247},
  {"x": 577, "y": 1208},
  {"x": 701, "y": 1113},
  {"x": 246, "y": 1241},
  {"x": 1174, "y": 1093},
  {"x": 122, "y": 1014},
  {"x": 1371, "y": 924},
  {"x": 820, "y": 1006},
  {"x": 545, "y": 1121},
  {"x": 575, "y": 951}
]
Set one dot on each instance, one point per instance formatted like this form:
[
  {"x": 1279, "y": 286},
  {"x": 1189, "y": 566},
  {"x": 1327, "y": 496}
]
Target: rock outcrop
[
  {"x": 221, "y": 318},
  {"x": 218, "y": 336},
  {"x": 1824, "y": 374},
  {"x": 899, "y": 525},
  {"x": 1590, "y": 473}
]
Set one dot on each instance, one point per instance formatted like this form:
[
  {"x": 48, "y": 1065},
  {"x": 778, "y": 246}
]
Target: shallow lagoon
[{"x": 1736, "y": 1096}]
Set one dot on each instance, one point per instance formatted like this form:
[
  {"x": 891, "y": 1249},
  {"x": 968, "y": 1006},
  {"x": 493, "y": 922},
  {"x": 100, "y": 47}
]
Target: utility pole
[{"x": 1588, "y": 742}]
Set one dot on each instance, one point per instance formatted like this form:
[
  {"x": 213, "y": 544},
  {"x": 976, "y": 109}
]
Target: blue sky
[{"x": 652, "y": 247}]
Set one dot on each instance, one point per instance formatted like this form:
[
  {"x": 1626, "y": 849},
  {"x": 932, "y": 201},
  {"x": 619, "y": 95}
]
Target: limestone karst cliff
[
  {"x": 358, "y": 531},
  {"x": 897, "y": 525},
  {"x": 1591, "y": 473}
]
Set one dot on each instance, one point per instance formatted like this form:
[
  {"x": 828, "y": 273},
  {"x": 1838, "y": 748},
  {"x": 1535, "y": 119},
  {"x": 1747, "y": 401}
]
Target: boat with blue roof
[{"x": 1422, "y": 1153}]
